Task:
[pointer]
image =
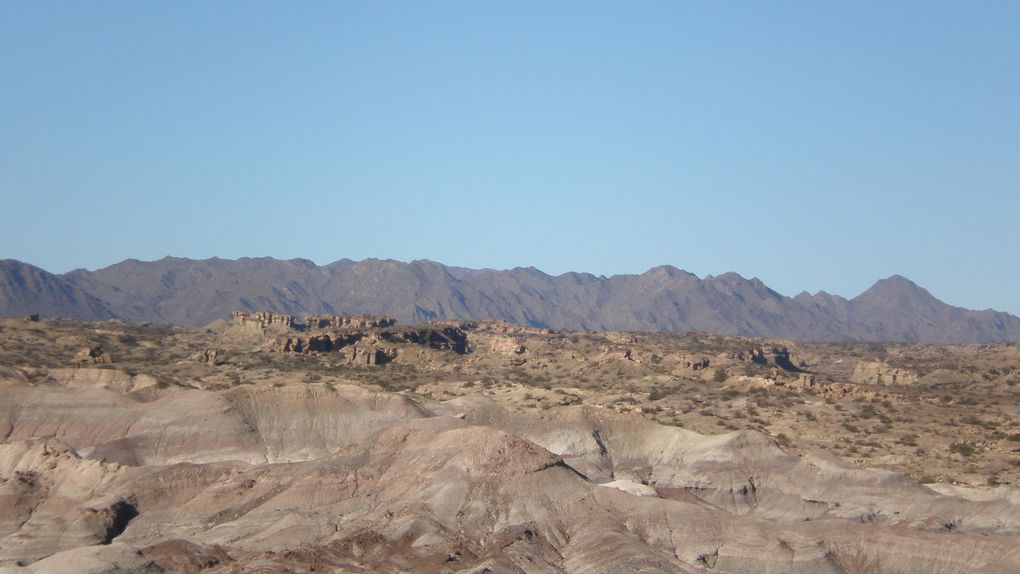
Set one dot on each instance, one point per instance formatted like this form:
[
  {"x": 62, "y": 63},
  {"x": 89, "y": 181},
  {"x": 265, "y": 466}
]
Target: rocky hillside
[
  {"x": 194, "y": 293},
  {"x": 25, "y": 290}
]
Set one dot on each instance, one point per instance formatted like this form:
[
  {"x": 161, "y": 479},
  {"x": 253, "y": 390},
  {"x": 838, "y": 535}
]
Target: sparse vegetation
[{"x": 582, "y": 368}]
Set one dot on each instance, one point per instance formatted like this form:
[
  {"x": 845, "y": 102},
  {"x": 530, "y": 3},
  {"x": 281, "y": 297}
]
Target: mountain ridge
[{"x": 195, "y": 292}]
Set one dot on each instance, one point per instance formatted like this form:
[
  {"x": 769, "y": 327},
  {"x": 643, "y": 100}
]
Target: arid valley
[{"x": 262, "y": 443}]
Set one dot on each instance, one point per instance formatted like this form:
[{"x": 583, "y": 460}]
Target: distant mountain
[
  {"x": 190, "y": 292},
  {"x": 26, "y": 289}
]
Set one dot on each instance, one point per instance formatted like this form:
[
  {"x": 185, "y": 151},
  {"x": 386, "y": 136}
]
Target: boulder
[
  {"x": 207, "y": 356},
  {"x": 92, "y": 356}
]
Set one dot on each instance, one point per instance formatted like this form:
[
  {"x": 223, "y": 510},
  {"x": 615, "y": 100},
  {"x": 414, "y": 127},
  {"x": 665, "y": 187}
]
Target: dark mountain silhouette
[
  {"x": 26, "y": 289},
  {"x": 197, "y": 292}
]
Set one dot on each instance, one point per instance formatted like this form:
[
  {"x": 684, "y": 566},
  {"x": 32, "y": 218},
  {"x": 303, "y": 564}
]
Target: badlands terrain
[{"x": 268, "y": 443}]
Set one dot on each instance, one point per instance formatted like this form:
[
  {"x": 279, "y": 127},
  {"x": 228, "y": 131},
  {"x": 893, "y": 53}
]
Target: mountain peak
[
  {"x": 896, "y": 280},
  {"x": 896, "y": 289},
  {"x": 665, "y": 298},
  {"x": 668, "y": 271}
]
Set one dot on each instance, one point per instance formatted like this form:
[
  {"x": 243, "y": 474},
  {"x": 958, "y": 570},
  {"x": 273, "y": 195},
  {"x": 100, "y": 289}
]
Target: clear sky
[{"x": 815, "y": 145}]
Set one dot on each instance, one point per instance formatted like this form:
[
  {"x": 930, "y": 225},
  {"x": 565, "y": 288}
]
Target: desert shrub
[
  {"x": 867, "y": 412},
  {"x": 659, "y": 393},
  {"x": 963, "y": 449},
  {"x": 909, "y": 439}
]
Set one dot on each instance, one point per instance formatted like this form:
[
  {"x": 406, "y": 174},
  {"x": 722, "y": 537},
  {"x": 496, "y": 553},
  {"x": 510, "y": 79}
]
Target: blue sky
[{"x": 815, "y": 145}]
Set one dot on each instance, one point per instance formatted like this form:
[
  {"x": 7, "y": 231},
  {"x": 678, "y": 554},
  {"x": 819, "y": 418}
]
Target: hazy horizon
[{"x": 847, "y": 296}]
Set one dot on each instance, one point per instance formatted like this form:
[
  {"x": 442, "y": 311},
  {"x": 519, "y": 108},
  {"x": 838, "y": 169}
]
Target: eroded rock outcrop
[
  {"x": 320, "y": 343},
  {"x": 92, "y": 356},
  {"x": 692, "y": 363},
  {"x": 348, "y": 321},
  {"x": 371, "y": 355},
  {"x": 507, "y": 345},
  {"x": 444, "y": 339},
  {"x": 879, "y": 373},
  {"x": 778, "y": 355},
  {"x": 264, "y": 319},
  {"x": 207, "y": 357}
]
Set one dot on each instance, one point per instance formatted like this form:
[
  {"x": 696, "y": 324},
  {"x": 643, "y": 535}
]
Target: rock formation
[
  {"x": 348, "y": 322},
  {"x": 507, "y": 345},
  {"x": 264, "y": 319},
  {"x": 444, "y": 339},
  {"x": 688, "y": 362},
  {"x": 92, "y": 356},
  {"x": 207, "y": 356},
  {"x": 878, "y": 373},
  {"x": 316, "y": 343},
  {"x": 316, "y": 339},
  {"x": 777, "y": 355},
  {"x": 369, "y": 355}
]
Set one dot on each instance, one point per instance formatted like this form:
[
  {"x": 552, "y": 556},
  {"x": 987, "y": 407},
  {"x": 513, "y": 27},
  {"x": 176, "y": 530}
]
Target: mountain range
[{"x": 197, "y": 292}]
